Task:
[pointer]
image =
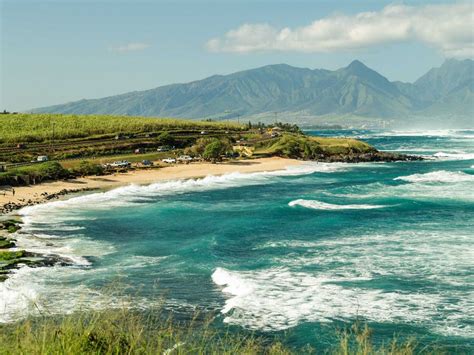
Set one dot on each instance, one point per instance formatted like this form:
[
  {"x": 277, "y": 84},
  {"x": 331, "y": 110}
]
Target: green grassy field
[
  {"x": 20, "y": 128},
  {"x": 304, "y": 147}
]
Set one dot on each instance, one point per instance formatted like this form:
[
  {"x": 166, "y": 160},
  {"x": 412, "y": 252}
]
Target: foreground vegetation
[{"x": 122, "y": 331}]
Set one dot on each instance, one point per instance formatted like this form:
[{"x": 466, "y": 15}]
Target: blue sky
[{"x": 58, "y": 51}]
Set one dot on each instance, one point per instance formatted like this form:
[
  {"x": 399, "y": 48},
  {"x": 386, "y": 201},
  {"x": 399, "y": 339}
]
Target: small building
[{"x": 275, "y": 131}]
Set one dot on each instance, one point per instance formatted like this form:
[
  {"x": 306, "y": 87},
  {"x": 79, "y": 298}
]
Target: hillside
[{"x": 355, "y": 90}]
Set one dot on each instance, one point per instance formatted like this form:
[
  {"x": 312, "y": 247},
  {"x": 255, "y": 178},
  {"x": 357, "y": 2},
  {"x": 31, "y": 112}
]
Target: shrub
[
  {"x": 87, "y": 168},
  {"x": 33, "y": 174}
]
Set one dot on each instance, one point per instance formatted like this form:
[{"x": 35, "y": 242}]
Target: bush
[
  {"x": 166, "y": 139},
  {"x": 87, "y": 168},
  {"x": 33, "y": 174}
]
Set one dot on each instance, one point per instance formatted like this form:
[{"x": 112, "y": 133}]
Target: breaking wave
[
  {"x": 440, "y": 176},
  {"x": 318, "y": 205},
  {"x": 453, "y": 156}
]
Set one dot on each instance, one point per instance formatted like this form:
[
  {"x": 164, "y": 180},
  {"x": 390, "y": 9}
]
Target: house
[{"x": 275, "y": 131}]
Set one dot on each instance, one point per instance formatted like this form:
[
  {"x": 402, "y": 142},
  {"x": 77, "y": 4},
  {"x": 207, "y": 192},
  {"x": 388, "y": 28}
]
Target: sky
[{"x": 54, "y": 52}]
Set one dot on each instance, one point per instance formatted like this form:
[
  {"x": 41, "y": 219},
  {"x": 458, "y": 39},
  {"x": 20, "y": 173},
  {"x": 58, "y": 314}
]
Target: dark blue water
[{"x": 295, "y": 253}]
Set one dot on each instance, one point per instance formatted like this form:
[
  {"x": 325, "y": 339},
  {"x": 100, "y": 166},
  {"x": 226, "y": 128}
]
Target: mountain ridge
[{"x": 355, "y": 90}]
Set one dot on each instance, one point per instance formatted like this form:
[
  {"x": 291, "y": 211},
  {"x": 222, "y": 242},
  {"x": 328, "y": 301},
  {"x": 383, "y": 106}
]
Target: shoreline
[{"x": 46, "y": 191}]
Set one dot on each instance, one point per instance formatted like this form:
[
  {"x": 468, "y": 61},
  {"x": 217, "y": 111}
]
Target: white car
[
  {"x": 120, "y": 164},
  {"x": 185, "y": 158},
  {"x": 169, "y": 160}
]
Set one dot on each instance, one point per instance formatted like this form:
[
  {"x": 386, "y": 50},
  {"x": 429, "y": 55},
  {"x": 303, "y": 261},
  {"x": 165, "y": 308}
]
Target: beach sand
[{"x": 33, "y": 193}]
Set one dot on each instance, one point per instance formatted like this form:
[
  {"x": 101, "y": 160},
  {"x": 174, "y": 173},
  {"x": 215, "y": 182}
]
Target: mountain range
[{"x": 355, "y": 93}]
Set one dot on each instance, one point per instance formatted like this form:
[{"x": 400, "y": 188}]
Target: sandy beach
[{"x": 26, "y": 195}]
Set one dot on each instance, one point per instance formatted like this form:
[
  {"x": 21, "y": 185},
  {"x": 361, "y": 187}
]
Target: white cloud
[
  {"x": 448, "y": 28},
  {"x": 130, "y": 47}
]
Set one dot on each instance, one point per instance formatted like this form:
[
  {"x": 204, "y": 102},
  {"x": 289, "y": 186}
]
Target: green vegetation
[
  {"x": 33, "y": 174},
  {"x": 5, "y": 243},
  {"x": 10, "y": 225},
  {"x": 313, "y": 148},
  {"x": 215, "y": 150},
  {"x": 84, "y": 143},
  {"x": 122, "y": 331},
  {"x": 18, "y": 128},
  {"x": 11, "y": 255},
  {"x": 87, "y": 168},
  {"x": 166, "y": 138}
]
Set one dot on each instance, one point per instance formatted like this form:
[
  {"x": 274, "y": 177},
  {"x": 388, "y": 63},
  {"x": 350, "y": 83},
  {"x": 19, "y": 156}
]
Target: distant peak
[
  {"x": 357, "y": 68},
  {"x": 356, "y": 64}
]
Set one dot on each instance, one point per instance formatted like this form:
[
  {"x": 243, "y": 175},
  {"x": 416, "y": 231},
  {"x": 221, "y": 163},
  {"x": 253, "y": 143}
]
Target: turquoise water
[{"x": 295, "y": 253}]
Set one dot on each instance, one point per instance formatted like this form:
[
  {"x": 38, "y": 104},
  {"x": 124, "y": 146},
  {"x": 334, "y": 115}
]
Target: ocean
[{"x": 295, "y": 253}]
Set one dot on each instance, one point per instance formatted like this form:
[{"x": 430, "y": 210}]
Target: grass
[
  {"x": 123, "y": 331},
  {"x": 16, "y": 128},
  {"x": 305, "y": 147}
]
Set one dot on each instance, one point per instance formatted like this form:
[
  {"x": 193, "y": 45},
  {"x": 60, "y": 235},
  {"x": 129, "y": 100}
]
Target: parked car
[
  {"x": 120, "y": 164},
  {"x": 185, "y": 158},
  {"x": 138, "y": 151},
  {"x": 42, "y": 158},
  {"x": 164, "y": 148},
  {"x": 203, "y": 132},
  {"x": 169, "y": 160},
  {"x": 147, "y": 163}
]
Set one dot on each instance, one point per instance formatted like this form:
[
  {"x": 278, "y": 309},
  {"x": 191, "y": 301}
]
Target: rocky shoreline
[
  {"x": 12, "y": 258},
  {"x": 375, "y": 156},
  {"x": 44, "y": 197}
]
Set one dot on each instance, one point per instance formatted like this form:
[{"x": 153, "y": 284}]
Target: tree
[
  {"x": 215, "y": 150},
  {"x": 165, "y": 138}
]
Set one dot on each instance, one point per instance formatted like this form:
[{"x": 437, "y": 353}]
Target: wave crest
[
  {"x": 454, "y": 156},
  {"x": 318, "y": 205},
  {"x": 440, "y": 176}
]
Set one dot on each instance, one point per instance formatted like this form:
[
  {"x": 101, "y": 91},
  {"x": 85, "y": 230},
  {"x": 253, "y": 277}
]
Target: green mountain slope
[{"x": 353, "y": 90}]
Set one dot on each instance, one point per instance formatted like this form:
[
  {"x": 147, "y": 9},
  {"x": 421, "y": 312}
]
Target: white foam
[
  {"x": 453, "y": 156},
  {"x": 428, "y": 133},
  {"x": 318, "y": 205},
  {"x": 343, "y": 282},
  {"x": 48, "y": 290},
  {"x": 51, "y": 228},
  {"x": 440, "y": 176},
  {"x": 131, "y": 194}
]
